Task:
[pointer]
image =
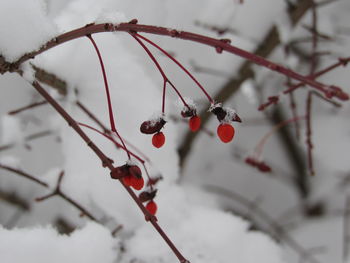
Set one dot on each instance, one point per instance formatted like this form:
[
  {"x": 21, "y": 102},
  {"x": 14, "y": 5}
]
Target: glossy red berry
[
  {"x": 158, "y": 139},
  {"x": 127, "y": 180},
  {"x": 225, "y": 132},
  {"x": 152, "y": 207},
  {"x": 194, "y": 123},
  {"x": 137, "y": 183}
]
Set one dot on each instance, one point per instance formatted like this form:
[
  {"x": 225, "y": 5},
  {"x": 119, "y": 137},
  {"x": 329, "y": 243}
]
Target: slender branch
[
  {"x": 107, "y": 131},
  {"x": 106, "y": 162},
  {"x": 109, "y": 102},
  {"x": 274, "y": 99},
  {"x": 218, "y": 44},
  {"x": 264, "y": 49},
  {"x": 179, "y": 64},
  {"x": 309, "y": 133},
  {"x": 27, "y": 107},
  {"x": 259, "y": 147},
  {"x": 24, "y": 174},
  {"x": 14, "y": 199},
  {"x": 165, "y": 78},
  {"x": 293, "y": 107},
  {"x": 57, "y": 192},
  {"x": 112, "y": 140}
]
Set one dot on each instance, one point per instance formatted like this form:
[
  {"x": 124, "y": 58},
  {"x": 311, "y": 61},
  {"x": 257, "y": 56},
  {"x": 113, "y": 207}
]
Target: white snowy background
[{"x": 194, "y": 205}]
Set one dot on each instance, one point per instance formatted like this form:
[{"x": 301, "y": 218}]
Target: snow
[
  {"x": 108, "y": 16},
  {"x": 205, "y": 227},
  {"x": 24, "y": 27},
  {"x": 28, "y": 72},
  {"x": 93, "y": 243},
  {"x": 11, "y": 130},
  {"x": 202, "y": 234}
]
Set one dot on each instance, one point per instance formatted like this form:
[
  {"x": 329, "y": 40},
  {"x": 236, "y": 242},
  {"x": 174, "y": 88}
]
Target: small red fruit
[
  {"x": 158, "y": 139},
  {"x": 194, "y": 123},
  {"x": 151, "y": 207},
  {"x": 137, "y": 183},
  {"x": 225, "y": 132},
  {"x": 127, "y": 180}
]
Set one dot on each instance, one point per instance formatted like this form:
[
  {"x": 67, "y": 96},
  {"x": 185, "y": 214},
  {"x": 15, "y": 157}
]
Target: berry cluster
[
  {"x": 131, "y": 176},
  {"x": 225, "y": 130}
]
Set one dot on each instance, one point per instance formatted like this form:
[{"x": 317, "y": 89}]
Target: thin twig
[
  {"x": 109, "y": 102},
  {"x": 30, "y": 106},
  {"x": 57, "y": 192}
]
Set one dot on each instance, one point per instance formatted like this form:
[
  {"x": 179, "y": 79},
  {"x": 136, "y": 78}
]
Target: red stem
[
  {"x": 341, "y": 62},
  {"x": 165, "y": 78},
  {"x": 107, "y": 131},
  {"x": 110, "y": 110},
  {"x": 111, "y": 139},
  {"x": 330, "y": 91},
  {"x": 179, "y": 64}
]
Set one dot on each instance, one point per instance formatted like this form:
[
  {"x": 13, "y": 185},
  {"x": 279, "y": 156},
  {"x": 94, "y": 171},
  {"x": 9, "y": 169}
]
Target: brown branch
[
  {"x": 220, "y": 45},
  {"x": 27, "y": 107},
  {"x": 51, "y": 80},
  {"x": 57, "y": 192},
  {"x": 106, "y": 162},
  {"x": 14, "y": 199}
]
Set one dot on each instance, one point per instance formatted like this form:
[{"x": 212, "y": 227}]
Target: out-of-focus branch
[
  {"x": 14, "y": 199},
  {"x": 51, "y": 80},
  {"x": 273, "y": 227},
  {"x": 57, "y": 192},
  {"x": 267, "y": 45}
]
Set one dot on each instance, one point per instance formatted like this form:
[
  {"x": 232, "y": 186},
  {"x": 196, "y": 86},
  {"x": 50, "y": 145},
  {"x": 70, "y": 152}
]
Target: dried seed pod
[
  {"x": 147, "y": 196},
  {"x": 152, "y": 126},
  {"x": 224, "y": 114},
  {"x": 120, "y": 172},
  {"x": 188, "y": 112},
  {"x": 135, "y": 171}
]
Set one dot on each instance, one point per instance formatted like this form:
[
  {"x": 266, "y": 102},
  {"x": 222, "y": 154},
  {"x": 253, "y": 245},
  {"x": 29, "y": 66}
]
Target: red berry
[
  {"x": 127, "y": 180},
  {"x": 137, "y": 183},
  {"x": 225, "y": 132},
  {"x": 151, "y": 207},
  {"x": 158, "y": 139},
  {"x": 195, "y": 123}
]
